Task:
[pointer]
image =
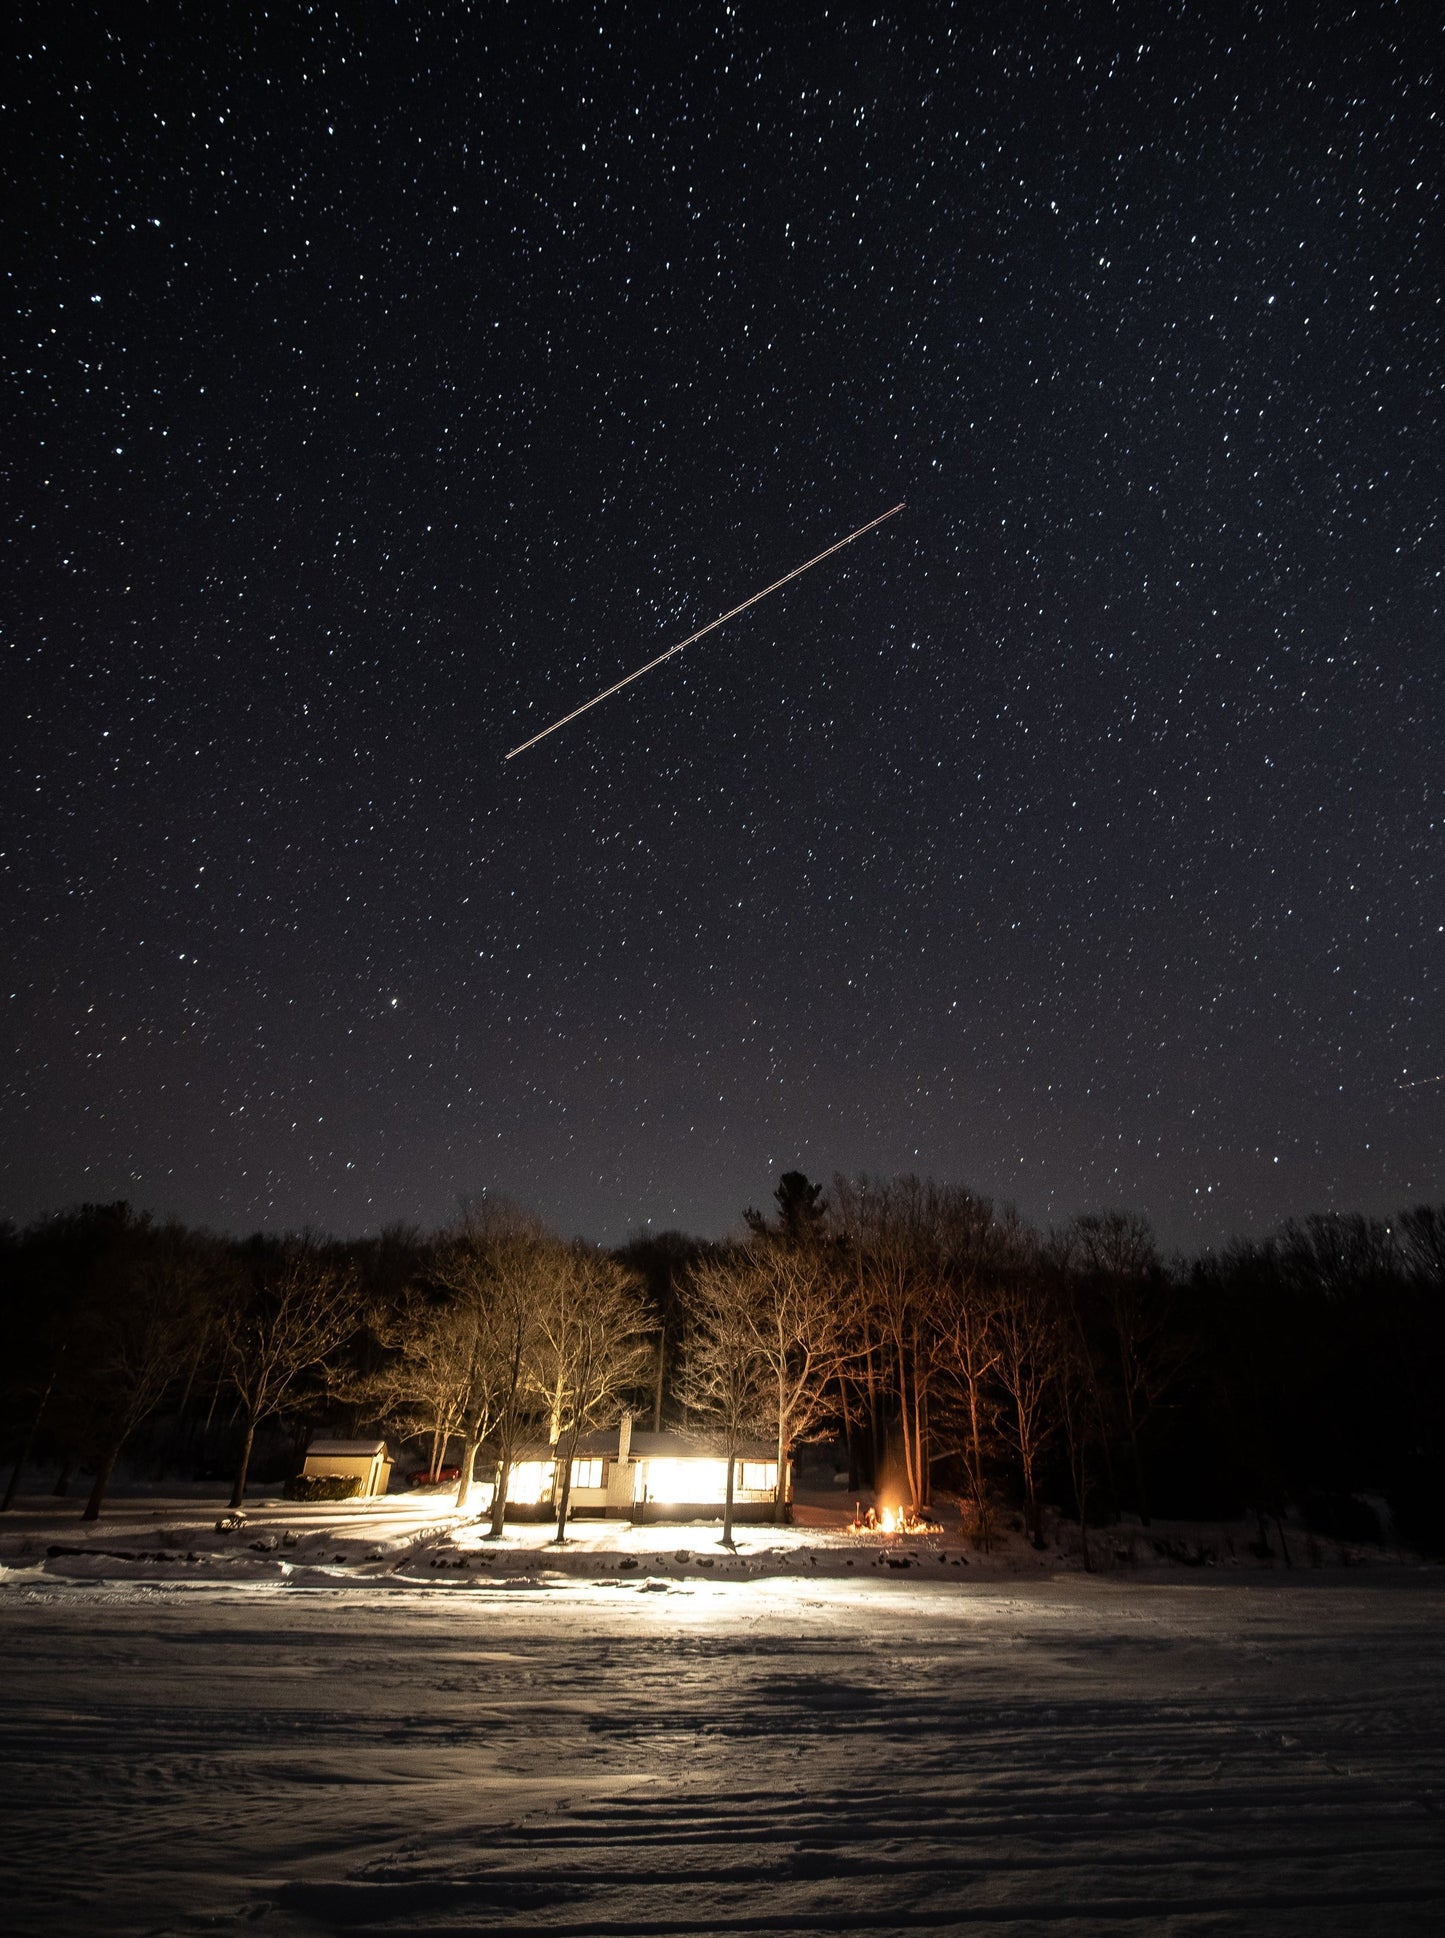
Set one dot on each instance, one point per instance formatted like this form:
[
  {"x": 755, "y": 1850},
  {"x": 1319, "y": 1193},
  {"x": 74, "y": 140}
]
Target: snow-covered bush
[{"x": 323, "y": 1487}]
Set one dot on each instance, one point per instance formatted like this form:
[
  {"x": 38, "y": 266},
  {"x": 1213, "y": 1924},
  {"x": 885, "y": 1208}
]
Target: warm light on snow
[{"x": 893, "y": 1520}]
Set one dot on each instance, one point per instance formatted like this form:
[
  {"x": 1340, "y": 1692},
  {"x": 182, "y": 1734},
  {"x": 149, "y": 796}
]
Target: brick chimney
[{"x": 619, "y": 1480}]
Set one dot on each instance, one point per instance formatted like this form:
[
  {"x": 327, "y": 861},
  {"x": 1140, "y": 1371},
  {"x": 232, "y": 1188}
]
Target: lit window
[
  {"x": 530, "y": 1482},
  {"x": 586, "y": 1473},
  {"x": 758, "y": 1476},
  {"x": 697, "y": 1482}
]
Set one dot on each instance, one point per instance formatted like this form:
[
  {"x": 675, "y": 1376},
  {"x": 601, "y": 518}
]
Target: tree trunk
[
  {"x": 243, "y": 1465},
  {"x": 1138, "y": 1460},
  {"x": 102, "y": 1481},
  {"x": 727, "y": 1533},
  {"x": 564, "y": 1497},
  {"x": 876, "y": 1437},
  {"x": 564, "y": 1453},
  {"x": 1031, "y": 1499},
  {"x": 975, "y": 1463},
  {"x": 499, "y": 1496},
  {"x": 24, "y": 1453},
  {"x": 661, "y": 1366},
  {"x": 469, "y": 1461},
  {"x": 923, "y": 1438},
  {"x": 904, "y": 1408},
  {"x": 1079, "y": 1474},
  {"x": 780, "y": 1492},
  {"x": 850, "y": 1438},
  {"x": 20, "y": 1460}
]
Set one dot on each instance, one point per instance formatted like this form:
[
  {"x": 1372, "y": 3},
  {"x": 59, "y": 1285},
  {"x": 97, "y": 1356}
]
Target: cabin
[
  {"x": 619, "y": 1474},
  {"x": 360, "y": 1460}
]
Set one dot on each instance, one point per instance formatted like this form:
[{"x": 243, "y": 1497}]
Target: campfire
[{"x": 892, "y": 1520}]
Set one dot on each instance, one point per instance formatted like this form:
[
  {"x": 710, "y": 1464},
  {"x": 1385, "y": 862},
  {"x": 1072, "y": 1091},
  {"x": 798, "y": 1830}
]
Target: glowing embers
[{"x": 893, "y": 1520}]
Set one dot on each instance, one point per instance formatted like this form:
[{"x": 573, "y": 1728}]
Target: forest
[{"x": 937, "y": 1343}]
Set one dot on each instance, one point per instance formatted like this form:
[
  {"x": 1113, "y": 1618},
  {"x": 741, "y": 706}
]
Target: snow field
[{"x": 681, "y": 1754}]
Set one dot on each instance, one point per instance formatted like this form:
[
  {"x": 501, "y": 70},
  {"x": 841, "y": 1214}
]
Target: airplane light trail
[{"x": 796, "y": 573}]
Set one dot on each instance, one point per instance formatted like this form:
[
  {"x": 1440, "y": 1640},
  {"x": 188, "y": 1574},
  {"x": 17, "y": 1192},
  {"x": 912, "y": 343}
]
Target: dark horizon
[{"x": 1171, "y": 1253}]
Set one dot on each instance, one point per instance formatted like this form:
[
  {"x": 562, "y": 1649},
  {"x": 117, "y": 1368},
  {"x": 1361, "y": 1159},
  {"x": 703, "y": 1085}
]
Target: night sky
[{"x": 383, "y": 380}]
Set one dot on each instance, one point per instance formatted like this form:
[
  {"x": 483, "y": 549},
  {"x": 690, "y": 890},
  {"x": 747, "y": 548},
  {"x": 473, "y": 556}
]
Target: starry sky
[{"x": 383, "y": 380}]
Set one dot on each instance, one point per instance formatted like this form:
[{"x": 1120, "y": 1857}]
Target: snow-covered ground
[
  {"x": 408, "y": 1537},
  {"x": 199, "y": 1734}
]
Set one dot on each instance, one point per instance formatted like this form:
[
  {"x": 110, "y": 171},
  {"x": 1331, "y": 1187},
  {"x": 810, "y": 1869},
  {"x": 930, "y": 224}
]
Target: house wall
[{"x": 625, "y": 1493}]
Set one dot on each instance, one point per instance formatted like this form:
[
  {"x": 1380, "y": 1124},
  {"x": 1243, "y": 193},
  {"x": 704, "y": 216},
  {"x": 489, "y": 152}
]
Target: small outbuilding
[{"x": 364, "y": 1461}]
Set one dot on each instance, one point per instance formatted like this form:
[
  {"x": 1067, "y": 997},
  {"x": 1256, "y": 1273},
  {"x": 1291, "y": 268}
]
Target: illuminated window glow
[
  {"x": 701, "y": 1483},
  {"x": 586, "y": 1473},
  {"x": 759, "y": 1476},
  {"x": 530, "y": 1482}
]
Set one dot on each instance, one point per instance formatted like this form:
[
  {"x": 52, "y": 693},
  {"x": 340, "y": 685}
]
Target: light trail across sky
[{"x": 712, "y": 625}]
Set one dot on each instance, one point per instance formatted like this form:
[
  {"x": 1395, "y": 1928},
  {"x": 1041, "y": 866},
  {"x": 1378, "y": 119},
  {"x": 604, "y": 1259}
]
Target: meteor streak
[{"x": 796, "y": 573}]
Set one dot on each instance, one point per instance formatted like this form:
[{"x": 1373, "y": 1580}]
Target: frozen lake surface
[{"x": 1260, "y": 1754}]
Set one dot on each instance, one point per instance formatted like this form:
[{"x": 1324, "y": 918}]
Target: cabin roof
[
  {"x": 648, "y": 1446},
  {"x": 347, "y": 1449}
]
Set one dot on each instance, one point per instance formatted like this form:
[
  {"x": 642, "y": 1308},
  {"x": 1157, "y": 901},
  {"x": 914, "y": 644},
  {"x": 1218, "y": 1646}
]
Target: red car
[{"x": 438, "y": 1479}]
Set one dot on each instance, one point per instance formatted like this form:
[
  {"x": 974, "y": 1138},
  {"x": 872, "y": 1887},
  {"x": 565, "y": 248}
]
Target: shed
[{"x": 361, "y": 1460}]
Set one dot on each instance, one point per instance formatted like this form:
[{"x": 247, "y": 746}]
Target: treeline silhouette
[{"x": 940, "y": 1343}]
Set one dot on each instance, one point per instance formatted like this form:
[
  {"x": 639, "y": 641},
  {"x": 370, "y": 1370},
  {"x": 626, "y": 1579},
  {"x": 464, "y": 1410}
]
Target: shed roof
[{"x": 347, "y": 1449}]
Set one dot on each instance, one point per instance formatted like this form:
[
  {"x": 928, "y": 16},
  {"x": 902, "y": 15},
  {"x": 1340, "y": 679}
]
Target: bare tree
[
  {"x": 277, "y": 1330},
  {"x": 496, "y": 1268},
  {"x": 1116, "y": 1253},
  {"x": 890, "y": 1230},
  {"x": 135, "y": 1335},
  {"x": 791, "y": 1295},
  {"x": 1078, "y": 1417},
  {"x": 863, "y": 1384},
  {"x": 421, "y": 1387},
  {"x": 590, "y": 1348},
  {"x": 924, "y": 1261},
  {"x": 660, "y": 1260},
  {"x": 1336, "y": 1253},
  {"x": 725, "y": 1375},
  {"x": 979, "y": 1249},
  {"x": 1026, "y": 1326},
  {"x": 1422, "y": 1232}
]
